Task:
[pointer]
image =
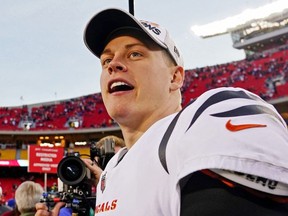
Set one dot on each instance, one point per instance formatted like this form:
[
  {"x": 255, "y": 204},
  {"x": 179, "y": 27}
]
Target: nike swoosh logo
[{"x": 233, "y": 127}]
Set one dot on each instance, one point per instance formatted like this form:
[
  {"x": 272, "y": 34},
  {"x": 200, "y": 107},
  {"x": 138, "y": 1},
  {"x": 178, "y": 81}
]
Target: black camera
[
  {"x": 77, "y": 186},
  {"x": 103, "y": 154},
  {"x": 77, "y": 180}
]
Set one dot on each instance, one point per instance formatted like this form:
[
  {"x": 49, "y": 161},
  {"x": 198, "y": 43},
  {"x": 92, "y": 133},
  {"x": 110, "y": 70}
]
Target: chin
[{"x": 119, "y": 113}]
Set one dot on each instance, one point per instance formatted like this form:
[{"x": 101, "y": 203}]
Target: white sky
[{"x": 43, "y": 57}]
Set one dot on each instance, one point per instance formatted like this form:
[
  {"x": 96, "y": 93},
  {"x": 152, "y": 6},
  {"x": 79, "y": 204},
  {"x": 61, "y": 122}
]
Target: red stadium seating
[{"x": 254, "y": 75}]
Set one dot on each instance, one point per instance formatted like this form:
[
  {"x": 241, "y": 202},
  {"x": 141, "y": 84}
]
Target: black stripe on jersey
[
  {"x": 216, "y": 98},
  {"x": 247, "y": 110},
  {"x": 165, "y": 139},
  {"x": 121, "y": 155},
  {"x": 219, "y": 97}
]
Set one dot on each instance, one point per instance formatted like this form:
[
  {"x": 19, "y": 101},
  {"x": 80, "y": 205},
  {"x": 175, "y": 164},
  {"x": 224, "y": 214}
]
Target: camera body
[
  {"x": 102, "y": 154},
  {"x": 74, "y": 199},
  {"x": 75, "y": 186},
  {"x": 77, "y": 181}
]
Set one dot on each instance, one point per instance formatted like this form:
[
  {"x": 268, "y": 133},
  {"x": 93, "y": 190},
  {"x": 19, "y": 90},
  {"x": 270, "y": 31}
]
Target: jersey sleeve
[{"x": 230, "y": 129}]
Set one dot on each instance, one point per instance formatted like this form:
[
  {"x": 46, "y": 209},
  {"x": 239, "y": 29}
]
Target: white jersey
[{"x": 225, "y": 128}]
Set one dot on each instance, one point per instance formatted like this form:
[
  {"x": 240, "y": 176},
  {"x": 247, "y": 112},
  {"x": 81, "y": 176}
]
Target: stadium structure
[{"x": 75, "y": 123}]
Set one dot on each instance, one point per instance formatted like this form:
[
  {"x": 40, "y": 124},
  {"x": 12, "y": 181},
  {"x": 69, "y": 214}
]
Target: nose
[{"x": 116, "y": 66}]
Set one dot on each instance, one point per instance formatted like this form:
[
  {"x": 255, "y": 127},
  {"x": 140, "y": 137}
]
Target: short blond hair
[
  {"x": 117, "y": 141},
  {"x": 27, "y": 195}
]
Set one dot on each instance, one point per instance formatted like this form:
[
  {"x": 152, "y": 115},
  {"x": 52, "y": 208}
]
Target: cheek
[
  {"x": 160, "y": 82},
  {"x": 103, "y": 82}
]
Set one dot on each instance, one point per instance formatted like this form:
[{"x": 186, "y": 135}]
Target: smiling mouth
[{"x": 120, "y": 86}]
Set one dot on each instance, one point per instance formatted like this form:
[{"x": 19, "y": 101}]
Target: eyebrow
[{"x": 127, "y": 46}]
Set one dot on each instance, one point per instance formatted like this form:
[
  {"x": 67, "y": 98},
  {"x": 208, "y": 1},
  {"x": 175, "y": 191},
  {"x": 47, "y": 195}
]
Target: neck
[{"x": 132, "y": 133}]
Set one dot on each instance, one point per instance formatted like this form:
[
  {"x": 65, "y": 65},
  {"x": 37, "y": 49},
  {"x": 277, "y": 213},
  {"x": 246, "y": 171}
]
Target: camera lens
[{"x": 71, "y": 170}]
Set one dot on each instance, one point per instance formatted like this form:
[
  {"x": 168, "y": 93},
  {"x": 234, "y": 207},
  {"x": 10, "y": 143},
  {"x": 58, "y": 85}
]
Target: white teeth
[{"x": 115, "y": 84}]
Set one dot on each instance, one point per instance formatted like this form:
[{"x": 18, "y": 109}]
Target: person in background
[
  {"x": 117, "y": 143},
  {"x": 65, "y": 211},
  {"x": 224, "y": 154},
  {"x": 12, "y": 212},
  {"x": 54, "y": 187},
  {"x": 4, "y": 208},
  {"x": 11, "y": 202},
  {"x": 1, "y": 190},
  {"x": 26, "y": 196}
]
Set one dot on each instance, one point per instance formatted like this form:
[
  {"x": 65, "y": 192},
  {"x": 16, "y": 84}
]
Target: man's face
[{"x": 135, "y": 80}]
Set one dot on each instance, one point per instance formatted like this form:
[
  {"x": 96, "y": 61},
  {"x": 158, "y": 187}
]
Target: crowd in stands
[
  {"x": 12, "y": 177},
  {"x": 266, "y": 75},
  {"x": 87, "y": 112}
]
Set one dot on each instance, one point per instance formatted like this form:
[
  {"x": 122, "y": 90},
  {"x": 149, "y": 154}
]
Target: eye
[
  {"x": 106, "y": 61},
  {"x": 135, "y": 54}
]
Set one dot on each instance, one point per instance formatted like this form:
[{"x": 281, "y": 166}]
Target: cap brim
[{"x": 101, "y": 26}]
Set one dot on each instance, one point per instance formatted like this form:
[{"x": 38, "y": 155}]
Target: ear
[{"x": 177, "y": 78}]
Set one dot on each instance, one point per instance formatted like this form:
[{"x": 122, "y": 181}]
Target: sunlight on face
[{"x": 144, "y": 74}]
